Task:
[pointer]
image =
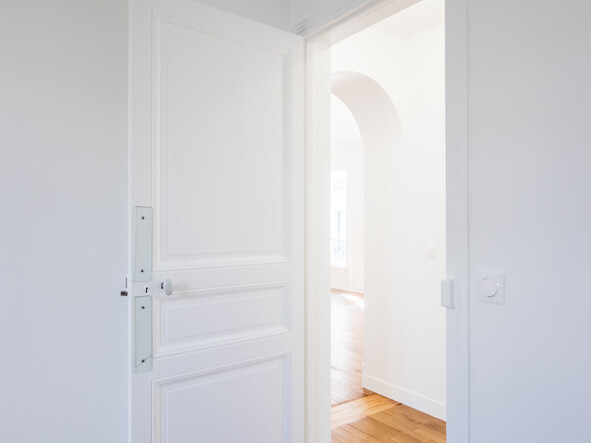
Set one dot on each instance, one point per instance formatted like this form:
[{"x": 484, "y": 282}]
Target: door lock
[{"x": 158, "y": 287}]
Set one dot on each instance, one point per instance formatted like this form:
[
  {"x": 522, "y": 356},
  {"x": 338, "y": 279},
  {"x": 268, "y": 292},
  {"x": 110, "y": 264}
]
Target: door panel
[
  {"x": 222, "y": 125},
  {"x": 216, "y": 150},
  {"x": 190, "y": 322},
  {"x": 216, "y": 406}
]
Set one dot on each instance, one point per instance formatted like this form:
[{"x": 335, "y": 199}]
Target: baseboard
[
  {"x": 357, "y": 289},
  {"x": 340, "y": 287},
  {"x": 414, "y": 400},
  {"x": 347, "y": 288}
]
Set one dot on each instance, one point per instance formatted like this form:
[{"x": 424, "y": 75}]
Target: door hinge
[{"x": 447, "y": 293}]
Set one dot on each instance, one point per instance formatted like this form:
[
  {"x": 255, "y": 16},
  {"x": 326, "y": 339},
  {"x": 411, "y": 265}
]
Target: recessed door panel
[
  {"x": 191, "y": 321},
  {"x": 222, "y": 146},
  {"x": 247, "y": 403}
]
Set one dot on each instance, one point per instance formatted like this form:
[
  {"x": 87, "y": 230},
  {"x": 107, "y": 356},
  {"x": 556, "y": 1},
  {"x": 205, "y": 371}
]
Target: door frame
[{"x": 326, "y": 31}]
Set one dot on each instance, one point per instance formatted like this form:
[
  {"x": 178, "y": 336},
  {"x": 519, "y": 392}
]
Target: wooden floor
[
  {"x": 359, "y": 415},
  {"x": 346, "y": 346},
  {"x": 376, "y": 419}
]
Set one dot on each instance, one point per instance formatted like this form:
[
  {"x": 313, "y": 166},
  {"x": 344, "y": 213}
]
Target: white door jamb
[{"x": 317, "y": 274}]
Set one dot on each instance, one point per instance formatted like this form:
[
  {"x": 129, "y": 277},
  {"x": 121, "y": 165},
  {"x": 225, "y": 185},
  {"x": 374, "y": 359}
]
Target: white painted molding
[
  {"x": 457, "y": 223},
  {"x": 405, "y": 396},
  {"x": 317, "y": 239},
  {"x": 326, "y": 15},
  {"x": 338, "y": 22}
]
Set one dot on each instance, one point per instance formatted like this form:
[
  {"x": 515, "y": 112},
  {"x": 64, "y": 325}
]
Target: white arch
[
  {"x": 370, "y": 104},
  {"x": 381, "y": 134}
]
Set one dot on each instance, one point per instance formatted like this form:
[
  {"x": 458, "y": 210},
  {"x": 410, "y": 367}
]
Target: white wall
[
  {"x": 347, "y": 153},
  {"x": 404, "y": 348},
  {"x": 530, "y": 217},
  {"x": 349, "y": 156},
  {"x": 63, "y": 324}
]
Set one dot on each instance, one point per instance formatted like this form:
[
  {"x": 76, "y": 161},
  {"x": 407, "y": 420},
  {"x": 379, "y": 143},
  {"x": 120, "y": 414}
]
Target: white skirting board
[
  {"x": 347, "y": 288},
  {"x": 414, "y": 400}
]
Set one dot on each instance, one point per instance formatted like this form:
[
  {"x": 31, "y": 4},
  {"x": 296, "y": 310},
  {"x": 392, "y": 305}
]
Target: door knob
[{"x": 166, "y": 286}]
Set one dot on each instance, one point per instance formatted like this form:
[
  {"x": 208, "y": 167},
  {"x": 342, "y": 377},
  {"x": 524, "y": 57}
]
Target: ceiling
[{"x": 415, "y": 19}]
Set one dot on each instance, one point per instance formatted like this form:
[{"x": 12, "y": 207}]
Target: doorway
[
  {"x": 405, "y": 201},
  {"x": 347, "y": 195}
]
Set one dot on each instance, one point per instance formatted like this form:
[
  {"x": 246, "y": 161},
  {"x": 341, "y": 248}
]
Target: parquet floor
[
  {"x": 359, "y": 415},
  {"x": 376, "y": 419},
  {"x": 346, "y": 346}
]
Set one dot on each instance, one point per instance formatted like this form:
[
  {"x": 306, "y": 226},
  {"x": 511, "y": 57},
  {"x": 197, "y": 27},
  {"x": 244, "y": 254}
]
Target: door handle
[
  {"x": 166, "y": 286},
  {"x": 158, "y": 287}
]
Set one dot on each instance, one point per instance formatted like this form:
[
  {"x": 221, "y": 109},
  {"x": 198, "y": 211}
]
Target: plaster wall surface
[
  {"x": 347, "y": 154},
  {"x": 63, "y": 228},
  {"x": 530, "y": 218}
]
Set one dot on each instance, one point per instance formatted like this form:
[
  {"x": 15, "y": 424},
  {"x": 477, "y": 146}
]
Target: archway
[{"x": 381, "y": 135}]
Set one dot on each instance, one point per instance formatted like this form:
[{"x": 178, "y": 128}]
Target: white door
[{"x": 216, "y": 151}]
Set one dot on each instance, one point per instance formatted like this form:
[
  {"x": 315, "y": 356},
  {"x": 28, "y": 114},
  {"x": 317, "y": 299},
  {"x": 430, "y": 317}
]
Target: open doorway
[
  {"x": 387, "y": 226},
  {"x": 347, "y": 213}
]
